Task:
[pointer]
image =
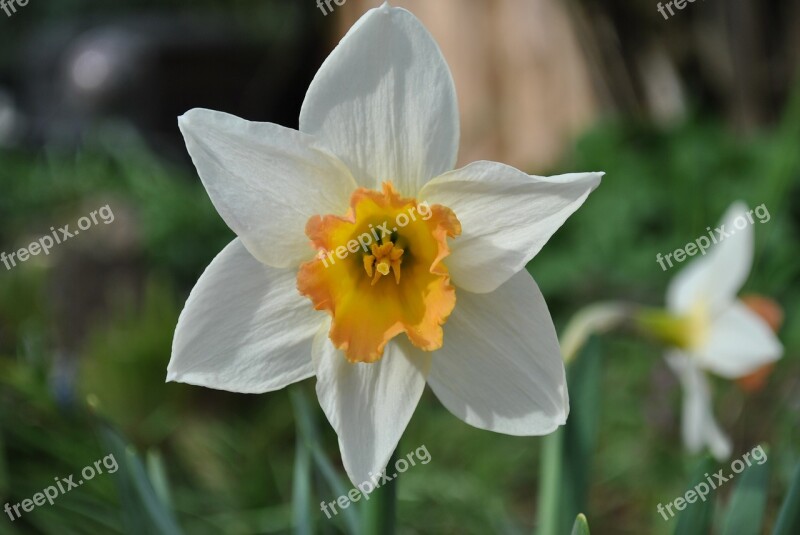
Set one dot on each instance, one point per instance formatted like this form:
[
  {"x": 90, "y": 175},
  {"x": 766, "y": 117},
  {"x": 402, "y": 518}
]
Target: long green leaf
[
  {"x": 789, "y": 518},
  {"x": 581, "y": 430},
  {"x": 566, "y": 453},
  {"x": 306, "y": 425},
  {"x": 697, "y": 517},
  {"x": 142, "y": 509},
  {"x": 157, "y": 473},
  {"x": 302, "y": 495},
  {"x": 745, "y": 512}
]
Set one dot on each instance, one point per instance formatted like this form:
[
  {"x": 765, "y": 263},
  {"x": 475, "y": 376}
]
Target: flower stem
[
  {"x": 593, "y": 319},
  {"x": 549, "y": 509},
  {"x": 380, "y": 511}
]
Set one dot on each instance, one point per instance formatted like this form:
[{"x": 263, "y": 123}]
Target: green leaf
[
  {"x": 302, "y": 494},
  {"x": 307, "y": 427},
  {"x": 143, "y": 511},
  {"x": 580, "y": 438},
  {"x": 566, "y": 453},
  {"x": 157, "y": 474},
  {"x": 581, "y": 526},
  {"x": 745, "y": 513},
  {"x": 789, "y": 518},
  {"x": 696, "y": 518},
  {"x": 4, "y": 480}
]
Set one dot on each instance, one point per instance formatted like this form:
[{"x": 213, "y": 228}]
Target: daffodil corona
[
  {"x": 401, "y": 285},
  {"x": 443, "y": 299}
]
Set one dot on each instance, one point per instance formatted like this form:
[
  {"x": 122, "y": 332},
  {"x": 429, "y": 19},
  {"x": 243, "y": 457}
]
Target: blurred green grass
[{"x": 228, "y": 459}]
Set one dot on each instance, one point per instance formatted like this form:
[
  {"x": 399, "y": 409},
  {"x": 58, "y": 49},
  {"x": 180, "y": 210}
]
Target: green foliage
[
  {"x": 309, "y": 448},
  {"x": 144, "y": 511},
  {"x": 745, "y": 513},
  {"x": 581, "y": 526},
  {"x": 567, "y": 453},
  {"x": 697, "y": 517},
  {"x": 788, "y": 521}
]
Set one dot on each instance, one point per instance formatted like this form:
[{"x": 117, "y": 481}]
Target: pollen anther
[{"x": 384, "y": 258}]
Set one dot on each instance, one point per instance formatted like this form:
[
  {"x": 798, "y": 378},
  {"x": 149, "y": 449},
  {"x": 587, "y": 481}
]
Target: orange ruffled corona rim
[{"x": 380, "y": 273}]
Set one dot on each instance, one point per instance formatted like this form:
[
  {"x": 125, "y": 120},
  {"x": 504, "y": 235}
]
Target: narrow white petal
[
  {"x": 739, "y": 343},
  {"x": 506, "y": 217},
  {"x": 500, "y": 368},
  {"x": 266, "y": 181},
  {"x": 698, "y": 426},
  {"x": 369, "y": 405},
  {"x": 244, "y": 328},
  {"x": 715, "y": 277},
  {"x": 384, "y": 102}
]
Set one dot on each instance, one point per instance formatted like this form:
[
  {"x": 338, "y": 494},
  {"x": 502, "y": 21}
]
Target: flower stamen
[{"x": 384, "y": 258}]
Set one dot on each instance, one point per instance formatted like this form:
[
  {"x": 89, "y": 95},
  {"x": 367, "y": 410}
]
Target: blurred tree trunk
[
  {"x": 736, "y": 58},
  {"x": 531, "y": 74}
]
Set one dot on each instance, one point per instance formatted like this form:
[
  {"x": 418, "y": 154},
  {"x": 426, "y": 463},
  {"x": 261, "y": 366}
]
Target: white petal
[
  {"x": 266, "y": 181},
  {"x": 244, "y": 328},
  {"x": 369, "y": 405},
  {"x": 500, "y": 367},
  {"x": 698, "y": 425},
  {"x": 717, "y": 277},
  {"x": 384, "y": 102},
  {"x": 739, "y": 343},
  {"x": 506, "y": 217}
]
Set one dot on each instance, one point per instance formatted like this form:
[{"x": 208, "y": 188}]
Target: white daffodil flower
[
  {"x": 718, "y": 333},
  {"x": 354, "y": 231}
]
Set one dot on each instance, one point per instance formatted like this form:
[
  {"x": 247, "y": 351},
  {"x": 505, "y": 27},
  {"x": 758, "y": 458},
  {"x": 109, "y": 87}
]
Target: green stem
[
  {"x": 593, "y": 319},
  {"x": 550, "y": 483},
  {"x": 380, "y": 511}
]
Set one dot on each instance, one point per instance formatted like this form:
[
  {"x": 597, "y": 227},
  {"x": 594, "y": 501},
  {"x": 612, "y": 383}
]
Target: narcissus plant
[
  {"x": 439, "y": 294},
  {"x": 713, "y": 331}
]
